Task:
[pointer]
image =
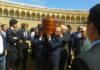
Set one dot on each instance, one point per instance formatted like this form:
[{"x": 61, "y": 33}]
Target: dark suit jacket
[
  {"x": 13, "y": 48},
  {"x": 80, "y": 42},
  {"x": 64, "y": 47},
  {"x": 23, "y": 38},
  {"x": 66, "y": 38},
  {"x": 21, "y": 33},
  {"x": 53, "y": 48},
  {"x": 89, "y": 60},
  {"x": 76, "y": 43},
  {"x": 10, "y": 34},
  {"x": 39, "y": 47}
]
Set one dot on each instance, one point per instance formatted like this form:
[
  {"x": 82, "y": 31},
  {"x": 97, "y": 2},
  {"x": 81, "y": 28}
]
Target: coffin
[{"x": 49, "y": 26}]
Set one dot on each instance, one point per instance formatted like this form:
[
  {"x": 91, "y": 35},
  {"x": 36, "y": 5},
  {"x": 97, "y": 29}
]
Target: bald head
[
  {"x": 58, "y": 28},
  {"x": 57, "y": 31},
  {"x": 83, "y": 31},
  {"x": 64, "y": 28}
]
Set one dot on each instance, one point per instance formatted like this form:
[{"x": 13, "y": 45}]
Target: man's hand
[
  {"x": 49, "y": 36},
  {"x": 40, "y": 37},
  {"x": 61, "y": 35},
  {"x": 5, "y": 52},
  {"x": 20, "y": 41},
  {"x": 27, "y": 41},
  {"x": 15, "y": 38}
]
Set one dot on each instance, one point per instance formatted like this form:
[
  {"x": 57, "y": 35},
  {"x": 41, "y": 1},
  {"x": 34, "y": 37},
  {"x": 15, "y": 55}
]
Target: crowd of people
[{"x": 64, "y": 50}]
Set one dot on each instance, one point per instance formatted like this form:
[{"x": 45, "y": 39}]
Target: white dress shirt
[
  {"x": 25, "y": 33},
  {"x": 32, "y": 34},
  {"x": 4, "y": 34},
  {"x": 1, "y": 45}
]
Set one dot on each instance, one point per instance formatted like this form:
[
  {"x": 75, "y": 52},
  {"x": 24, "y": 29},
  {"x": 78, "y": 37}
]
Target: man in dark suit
[
  {"x": 25, "y": 37},
  {"x": 53, "y": 48},
  {"x": 34, "y": 33},
  {"x": 64, "y": 53},
  {"x": 75, "y": 41},
  {"x": 12, "y": 39},
  {"x": 90, "y": 60},
  {"x": 69, "y": 46},
  {"x": 38, "y": 43},
  {"x": 79, "y": 41}
]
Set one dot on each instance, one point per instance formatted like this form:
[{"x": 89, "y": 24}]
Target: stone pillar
[
  {"x": 25, "y": 15},
  {"x": 2, "y": 12},
  {"x": 14, "y": 14},
  {"x": 19, "y": 14},
  {"x": 75, "y": 19},
  {"x": 80, "y": 19},
  {"x": 8, "y": 12}
]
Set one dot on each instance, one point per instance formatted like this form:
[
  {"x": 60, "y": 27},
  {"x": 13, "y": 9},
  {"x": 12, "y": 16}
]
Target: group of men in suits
[
  {"x": 52, "y": 52},
  {"x": 49, "y": 50},
  {"x": 14, "y": 45},
  {"x": 89, "y": 60}
]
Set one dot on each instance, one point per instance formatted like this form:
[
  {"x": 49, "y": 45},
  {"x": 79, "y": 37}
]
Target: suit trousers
[
  {"x": 2, "y": 62},
  {"x": 63, "y": 60}
]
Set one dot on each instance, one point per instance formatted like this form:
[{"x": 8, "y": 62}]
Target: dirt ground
[{"x": 31, "y": 64}]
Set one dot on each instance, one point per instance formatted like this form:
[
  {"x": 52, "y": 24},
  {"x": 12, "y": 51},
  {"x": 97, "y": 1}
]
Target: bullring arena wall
[
  {"x": 33, "y": 15},
  {"x": 32, "y": 23}
]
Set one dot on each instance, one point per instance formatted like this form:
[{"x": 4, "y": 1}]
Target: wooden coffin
[{"x": 49, "y": 26}]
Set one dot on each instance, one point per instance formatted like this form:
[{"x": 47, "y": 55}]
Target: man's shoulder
[
  {"x": 9, "y": 30},
  {"x": 85, "y": 55},
  {"x": 91, "y": 58},
  {"x": 56, "y": 38},
  {"x": 20, "y": 30},
  {"x": 81, "y": 61},
  {"x": 75, "y": 34},
  {"x": 91, "y": 52}
]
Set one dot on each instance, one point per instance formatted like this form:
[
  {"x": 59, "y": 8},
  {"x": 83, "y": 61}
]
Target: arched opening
[
  {"x": 17, "y": 14},
  {"x": 33, "y": 15},
  {"x": 48, "y": 16},
  {"x": 78, "y": 20},
  {"x": 28, "y": 15},
  {"x": 63, "y": 18},
  {"x": 22, "y": 14},
  {"x": 86, "y": 19},
  {"x": 0, "y": 11},
  {"x": 58, "y": 17},
  {"x": 83, "y": 20},
  {"x": 53, "y": 16},
  {"x": 73, "y": 19},
  {"x": 5, "y": 13},
  {"x": 38, "y": 16},
  {"x": 11, "y": 13},
  {"x": 43, "y": 16},
  {"x": 68, "y": 19}
]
